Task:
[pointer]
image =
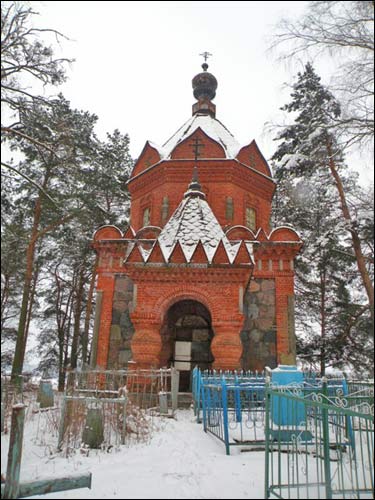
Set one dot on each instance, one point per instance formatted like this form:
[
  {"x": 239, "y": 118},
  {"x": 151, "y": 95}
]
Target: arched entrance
[{"x": 187, "y": 335}]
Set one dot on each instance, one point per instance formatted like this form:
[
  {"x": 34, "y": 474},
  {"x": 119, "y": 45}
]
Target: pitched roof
[
  {"x": 210, "y": 126},
  {"x": 194, "y": 222}
]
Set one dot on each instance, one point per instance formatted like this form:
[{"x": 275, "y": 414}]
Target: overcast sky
[{"x": 134, "y": 62}]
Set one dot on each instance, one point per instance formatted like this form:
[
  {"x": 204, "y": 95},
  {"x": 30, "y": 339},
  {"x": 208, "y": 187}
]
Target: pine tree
[
  {"x": 71, "y": 263},
  {"x": 61, "y": 173},
  {"x": 308, "y": 197}
]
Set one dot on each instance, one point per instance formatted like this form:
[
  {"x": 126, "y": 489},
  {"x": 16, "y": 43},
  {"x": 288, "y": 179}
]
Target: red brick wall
[
  {"x": 214, "y": 289},
  {"x": 106, "y": 283},
  {"x": 219, "y": 179},
  {"x": 218, "y": 289}
]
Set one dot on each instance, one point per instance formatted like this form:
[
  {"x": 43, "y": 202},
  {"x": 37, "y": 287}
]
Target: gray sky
[{"x": 135, "y": 62}]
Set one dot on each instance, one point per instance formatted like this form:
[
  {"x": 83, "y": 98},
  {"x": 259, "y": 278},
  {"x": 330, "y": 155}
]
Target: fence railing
[
  {"x": 233, "y": 404},
  {"x": 318, "y": 445},
  {"x": 92, "y": 421},
  {"x": 233, "y": 411},
  {"x": 201, "y": 379},
  {"x": 154, "y": 388},
  {"x": 103, "y": 408}
]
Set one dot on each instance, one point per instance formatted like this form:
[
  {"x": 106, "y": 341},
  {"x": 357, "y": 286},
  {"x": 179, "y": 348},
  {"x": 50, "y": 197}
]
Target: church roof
[
  {"x": 210, "y": 126},
  {"x": 194, "y": 222}
]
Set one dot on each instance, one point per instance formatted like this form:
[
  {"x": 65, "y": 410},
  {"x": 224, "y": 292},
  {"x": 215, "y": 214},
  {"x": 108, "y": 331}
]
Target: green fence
[{"x": 319, "y": 444}]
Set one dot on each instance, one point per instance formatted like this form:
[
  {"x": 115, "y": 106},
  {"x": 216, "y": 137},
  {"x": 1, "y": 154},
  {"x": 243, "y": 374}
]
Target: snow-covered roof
[
  {"x": 194, "y": 221},
  {"x": 210, "y": 126}
]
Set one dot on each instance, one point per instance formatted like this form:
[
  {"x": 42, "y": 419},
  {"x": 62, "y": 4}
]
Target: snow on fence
[
  {"x": 20, "y": 390},
  {"x": 144, "y": 387},
  {"x": 107, "y": 408},
  {"x": 91, "y": 422},
  {"x": 13, "y": 487}
]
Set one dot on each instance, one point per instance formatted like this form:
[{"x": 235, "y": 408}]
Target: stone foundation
[
  {"x": 258, "y": 334},
  {"x": 122, "y": 329}
]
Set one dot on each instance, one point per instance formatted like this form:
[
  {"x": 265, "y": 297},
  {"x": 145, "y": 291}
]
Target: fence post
[
  {"x": 12, "y": 482},
  {"x": 199, "y": 392},
  {"x": 348, "y": 420},
  {"x": 204, "y": 408},
  {"x": 327, "y": 464},
  {"x": 267, "y": 396},
  {"x": 123, "y": 432},
  {"x": 224, "y": 401},
  {"x": 175, "y": 381},
  {"x": 194, "y": 389},
  {"x": 237, "y": 399},
  {"x": 62, "y": 425}
]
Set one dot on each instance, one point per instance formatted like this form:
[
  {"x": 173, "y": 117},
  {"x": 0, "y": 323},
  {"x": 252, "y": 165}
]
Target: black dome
[{"x": 204, "y": 85}]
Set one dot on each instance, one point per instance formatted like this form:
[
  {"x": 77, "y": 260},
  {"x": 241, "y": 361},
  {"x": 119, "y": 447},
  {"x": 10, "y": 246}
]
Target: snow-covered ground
[{"x": 180, "y": 461}]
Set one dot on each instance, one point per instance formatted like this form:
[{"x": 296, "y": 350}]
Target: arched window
[
  {"x": 229, "y": 209},
  {"x": 251, "y": 218},
  {"x": 164, "y": 210},
  {"x": 146, "y": 217}
]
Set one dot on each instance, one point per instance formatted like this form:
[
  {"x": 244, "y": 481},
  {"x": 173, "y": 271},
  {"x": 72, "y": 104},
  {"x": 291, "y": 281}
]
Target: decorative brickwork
[{"x": 196, "y": 253}]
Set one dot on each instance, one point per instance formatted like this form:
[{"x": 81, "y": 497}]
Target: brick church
[{"x": 199, "y": 277}]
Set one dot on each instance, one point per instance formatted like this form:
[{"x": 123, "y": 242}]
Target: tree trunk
[
  {"x": 85, "y": 335},
  {"x": 66, "y": 346},
  {"x": 354, "y": 234},
  {"x": 77, "y": 319},
  {"x": 30, "y": 307},
  {"x": 61, "y": 379},
  {"x": 19, "y": 354}
]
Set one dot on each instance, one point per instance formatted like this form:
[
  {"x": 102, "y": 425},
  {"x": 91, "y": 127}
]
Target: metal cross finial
[
  {"x": 196, "y": 145},
  {"x": 206, "y": 55}
]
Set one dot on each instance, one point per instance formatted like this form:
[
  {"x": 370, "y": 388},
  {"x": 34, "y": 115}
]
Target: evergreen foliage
[
  {"x": 85, "y": 182},
  {"x": 328, "y": 290}
]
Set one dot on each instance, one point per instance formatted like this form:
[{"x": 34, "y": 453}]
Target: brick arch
[{"x": 164, "y": 303}]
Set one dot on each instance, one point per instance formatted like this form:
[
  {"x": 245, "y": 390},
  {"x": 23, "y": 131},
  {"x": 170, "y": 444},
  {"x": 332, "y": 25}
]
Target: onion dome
[
  {"x": 204, "y": 84},
  {"x": 204, "y": 90}
]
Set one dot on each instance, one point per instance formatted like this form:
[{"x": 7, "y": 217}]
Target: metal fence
[
  {"x": 319, "y": 444},
  {"x": 145, "y": 389},
  {"x": 105, "y": 408},
  {"x": 207, "y": 378},
  {"x": 92, "y": 422},
  {"x": 233, "y": 411}
]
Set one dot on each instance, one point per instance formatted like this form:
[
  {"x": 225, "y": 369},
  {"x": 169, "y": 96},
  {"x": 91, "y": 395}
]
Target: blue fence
[
  {"x": 253, "y": 380},
  {"x": 232, "y": 405}
]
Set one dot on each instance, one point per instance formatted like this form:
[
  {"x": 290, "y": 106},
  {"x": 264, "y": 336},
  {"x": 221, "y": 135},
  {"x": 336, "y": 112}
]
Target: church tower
[{"x": 200, "y": 277}]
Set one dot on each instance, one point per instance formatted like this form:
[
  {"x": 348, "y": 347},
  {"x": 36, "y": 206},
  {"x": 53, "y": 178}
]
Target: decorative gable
[
  {"x": 251, "y": 156},
  {"x": 210, "y": 147},
  {"x": 149, "y": 156}
]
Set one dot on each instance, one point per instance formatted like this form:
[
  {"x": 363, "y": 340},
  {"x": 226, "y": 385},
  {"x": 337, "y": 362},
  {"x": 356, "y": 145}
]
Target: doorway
[{"x": 189, "y": 333}]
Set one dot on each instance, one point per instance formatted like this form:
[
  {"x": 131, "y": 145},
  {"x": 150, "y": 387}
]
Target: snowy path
[{"x": 181, "y": 461}]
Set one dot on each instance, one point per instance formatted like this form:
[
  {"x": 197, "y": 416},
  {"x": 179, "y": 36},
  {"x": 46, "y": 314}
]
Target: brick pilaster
[
  {"x": 285, "y": 344},
  {"x": 106, "y": 283}
]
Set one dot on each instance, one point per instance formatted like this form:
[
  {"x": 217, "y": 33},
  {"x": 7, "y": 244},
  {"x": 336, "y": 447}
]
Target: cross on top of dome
[
  {"x": 205, "y": 55},
  {"x": 204, "y": 89}
]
